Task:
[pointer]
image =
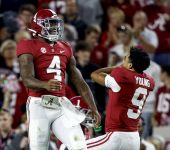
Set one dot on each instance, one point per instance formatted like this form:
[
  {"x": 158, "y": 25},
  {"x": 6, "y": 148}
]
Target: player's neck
[
  {"x": 41, "y": 39},
  {"x": 131, "y": 69},
  {"x": 47, "y": 41}
]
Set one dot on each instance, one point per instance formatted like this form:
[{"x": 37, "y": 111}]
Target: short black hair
[
  {"x": 82, "y": 46},
  {"x": 166, "y": 68},
  {"x": 140, "y": 60}
]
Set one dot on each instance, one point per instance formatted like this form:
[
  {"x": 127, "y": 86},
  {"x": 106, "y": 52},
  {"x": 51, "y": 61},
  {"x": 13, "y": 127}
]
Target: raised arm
[
  {"x": 99, "y": 75},
  {"x": 28, "y": 75},
  {"x": 82, "y": 87},
  {"x": 102, "y": 77}
]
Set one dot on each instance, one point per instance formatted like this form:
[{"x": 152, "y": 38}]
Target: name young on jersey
[{"x": 142, "y": 81}]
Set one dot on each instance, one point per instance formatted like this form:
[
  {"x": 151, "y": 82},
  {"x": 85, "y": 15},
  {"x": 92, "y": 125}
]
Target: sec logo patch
[{"x": 43, "y": 50}]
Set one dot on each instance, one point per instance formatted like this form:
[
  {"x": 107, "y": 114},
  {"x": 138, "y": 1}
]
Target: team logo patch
[
  {"x": 62, "y": 51},
  {"x": 43, "y": 50}
]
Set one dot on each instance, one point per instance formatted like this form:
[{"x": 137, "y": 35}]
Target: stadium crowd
[{"x": 101, "y": 33}]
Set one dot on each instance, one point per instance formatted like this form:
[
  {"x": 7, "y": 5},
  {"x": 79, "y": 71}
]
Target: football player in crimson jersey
[
  {"x": 43, "y": 63},
  {"x": 128, "y": 87},
  {"x": 162, "y": 115}
]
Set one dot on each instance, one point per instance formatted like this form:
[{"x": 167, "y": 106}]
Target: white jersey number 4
[
  {"x": 136, "y": 102},
  {"x": 54, "y": 67}
]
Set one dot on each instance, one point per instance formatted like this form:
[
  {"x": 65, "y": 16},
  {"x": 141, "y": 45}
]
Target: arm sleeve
[
  {"x": 110, "y": 82},
  {"x": 24, "y": 47}
]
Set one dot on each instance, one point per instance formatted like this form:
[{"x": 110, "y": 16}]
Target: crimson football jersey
[
  {"x": 163, "y": 106},
  {"x": 50, "y": 62},
  {"x": 124, "y": 106}
]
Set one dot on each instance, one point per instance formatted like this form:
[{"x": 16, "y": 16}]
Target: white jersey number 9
[{"x": 136, "y": 102}]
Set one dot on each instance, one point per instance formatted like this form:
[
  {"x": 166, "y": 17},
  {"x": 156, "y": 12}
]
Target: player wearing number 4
[
  {"x": 43, "y": 63},
  {"x": 128, "y": 90}
]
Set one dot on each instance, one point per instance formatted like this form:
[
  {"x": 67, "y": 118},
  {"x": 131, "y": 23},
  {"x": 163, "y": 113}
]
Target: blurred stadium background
[{"x": 101, "y": 33}]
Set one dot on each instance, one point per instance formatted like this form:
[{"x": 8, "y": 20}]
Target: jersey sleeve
[
  {"x": 117, "y": 73},
  {"x": 24, "y": 47},
  {"x": 112, "y": 81}
]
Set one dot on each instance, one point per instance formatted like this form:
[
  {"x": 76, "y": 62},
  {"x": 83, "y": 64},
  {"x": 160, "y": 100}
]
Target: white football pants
[
  {"x": 115, "y": 141},
  {"x": 42, "y": 120}
]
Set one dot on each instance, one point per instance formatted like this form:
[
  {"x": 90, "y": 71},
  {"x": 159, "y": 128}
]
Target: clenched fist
[{"x": 53, "y": 85}]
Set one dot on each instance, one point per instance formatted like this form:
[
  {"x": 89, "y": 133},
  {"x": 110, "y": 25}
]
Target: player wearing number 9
[
  {"x": 128, "y": 88},
  {"x": 43, "y": 63}
]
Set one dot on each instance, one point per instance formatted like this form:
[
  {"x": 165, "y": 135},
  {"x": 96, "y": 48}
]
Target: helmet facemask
[
  {"x": 52, "y": 28},
  {"x": 89, "y": 120}
]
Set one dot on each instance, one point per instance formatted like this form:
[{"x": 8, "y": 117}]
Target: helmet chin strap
[{"x": 47, "y": 38}]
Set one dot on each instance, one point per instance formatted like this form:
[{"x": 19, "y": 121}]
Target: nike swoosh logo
[{"x": 62, "y": 52}]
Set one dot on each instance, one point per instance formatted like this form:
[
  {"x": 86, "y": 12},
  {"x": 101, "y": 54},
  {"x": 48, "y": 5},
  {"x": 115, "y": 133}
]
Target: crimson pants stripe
[
  {"x": 99, "y": 140},
  {"x": 100, "y": 143}
]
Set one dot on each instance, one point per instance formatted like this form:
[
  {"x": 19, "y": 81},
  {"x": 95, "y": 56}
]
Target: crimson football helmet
[
  {"x": 48, "y": 25},
  {"x": 80, "y": 104}
]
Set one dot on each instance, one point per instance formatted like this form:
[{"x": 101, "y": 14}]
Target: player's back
[{"x": 125, "y": 106}]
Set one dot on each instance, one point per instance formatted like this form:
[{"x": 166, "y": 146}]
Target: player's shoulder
[
  {"x": 122, "y": 70},
  {"x": 117, "y": 72},
  {"x": 161, "y": 88},
  {"x": 26, "y": 46},
  {"x": 64, "y": 44},
  {"x": 25, "y": 41},
  {"x": 118, "y": 68}
]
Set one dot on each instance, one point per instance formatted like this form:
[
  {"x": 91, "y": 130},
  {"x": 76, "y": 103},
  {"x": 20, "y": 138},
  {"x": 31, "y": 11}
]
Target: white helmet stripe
[
  {"x": 35, "y": 17},
  {"x": 32, "y": 30},
  {"x": 52, "y": 12}
]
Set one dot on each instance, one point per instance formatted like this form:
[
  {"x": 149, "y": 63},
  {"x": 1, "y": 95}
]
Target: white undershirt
[{"x": 110, "y": 82}]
